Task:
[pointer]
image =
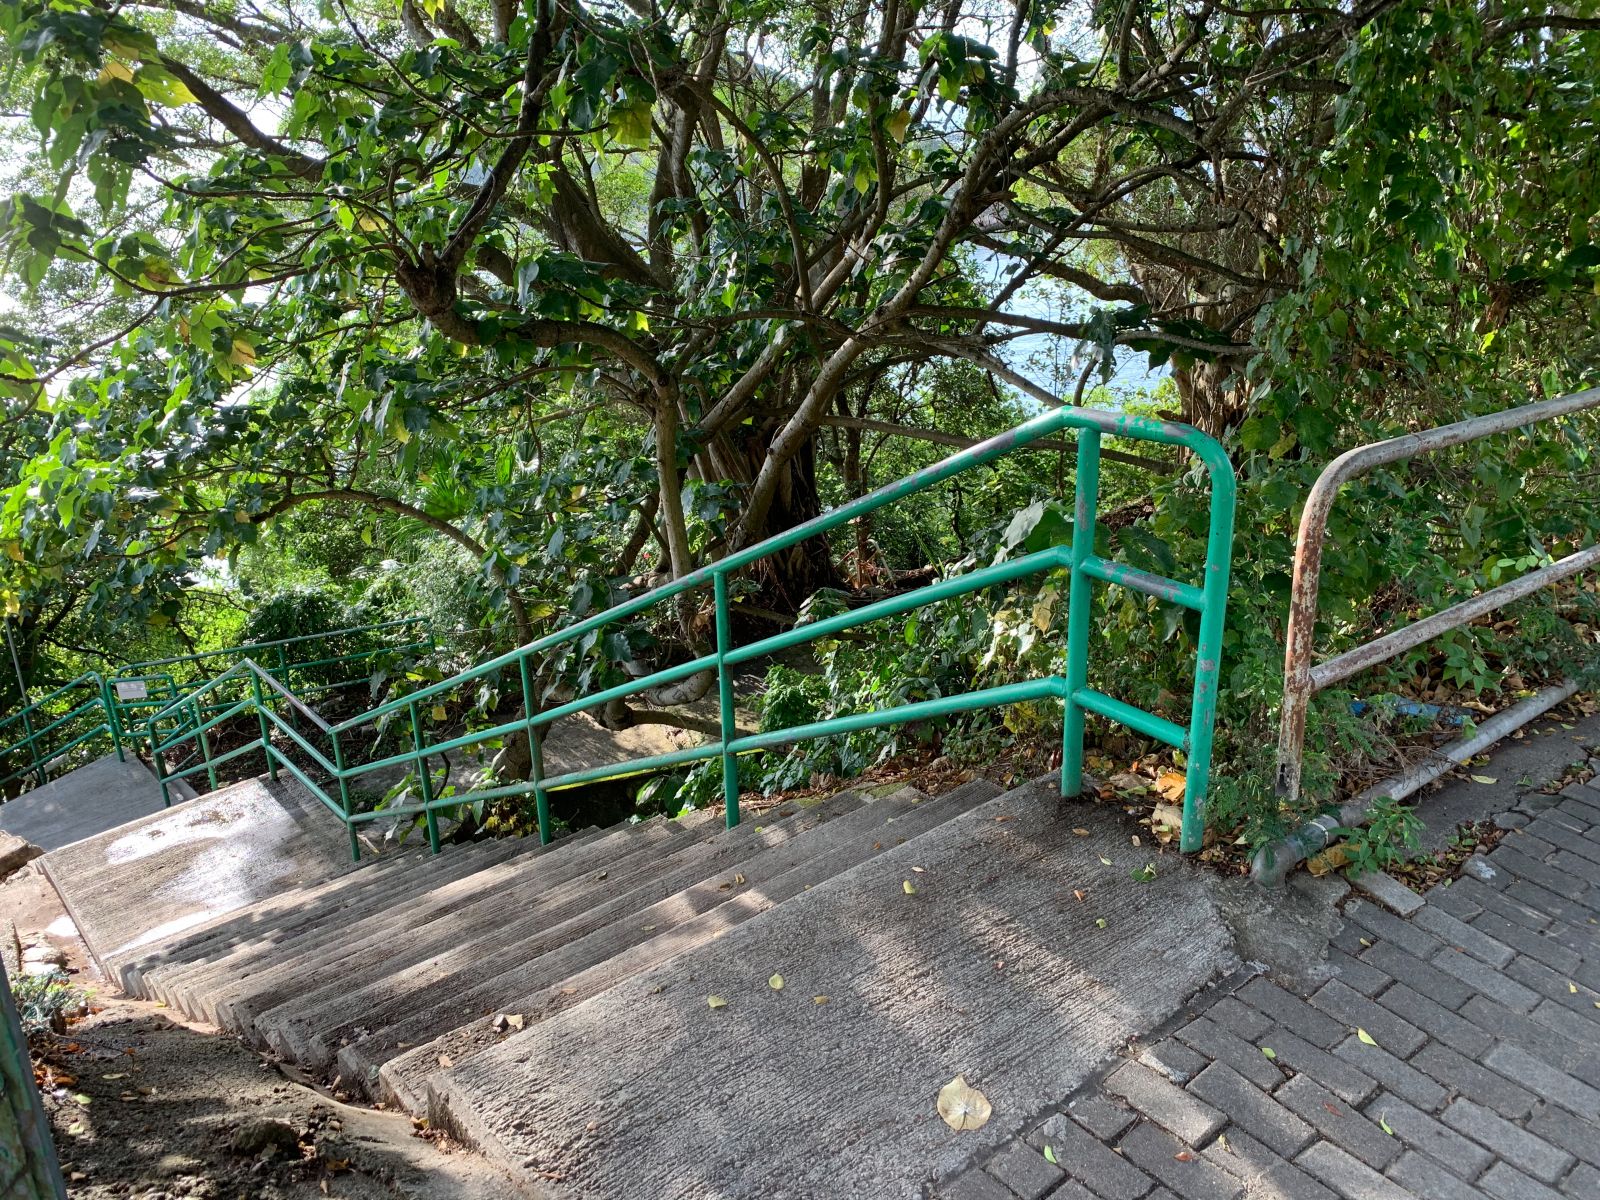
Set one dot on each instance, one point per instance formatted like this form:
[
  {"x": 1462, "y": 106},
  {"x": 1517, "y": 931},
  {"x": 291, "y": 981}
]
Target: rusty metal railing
[{"x": 1302, "y": 679}]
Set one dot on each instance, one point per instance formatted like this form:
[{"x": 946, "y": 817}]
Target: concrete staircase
[{"x": 553, "y": 1005}]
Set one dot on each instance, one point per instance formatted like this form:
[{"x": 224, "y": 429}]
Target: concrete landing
[
  {"x": 94, "y": 798},
  {"x": 1032, "y": 942},
  {"x": 148, "y": 880}
]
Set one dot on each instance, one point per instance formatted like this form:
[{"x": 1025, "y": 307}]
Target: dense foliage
[{"x": 501, "y": 313}]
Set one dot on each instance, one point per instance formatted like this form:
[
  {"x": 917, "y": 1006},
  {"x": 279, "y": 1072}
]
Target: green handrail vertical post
[
  {"x": 1208, "y": 662},
  {"x": 344, "y": 796},
  {"x": 108, "y": 702},
  {"x": 1080, "y": 600},
  {"x": 730, "y": 764},
  {"x": 205, "y": 744},
  {"x": 157, "y": 763},
  {"x": 425, "y": 782},
  {"x": 541, "y": 798},
  {"x": 266, "y": 729}
]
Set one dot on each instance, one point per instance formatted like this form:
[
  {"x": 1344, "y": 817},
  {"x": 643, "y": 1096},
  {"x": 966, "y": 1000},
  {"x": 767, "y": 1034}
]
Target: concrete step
[
  {"x": 536, "y": 988},
  {"x": 992, "y": 966},
  {"x": 282, "y": 919},
  {"x": 230, "y": 994},
  {"x": 274, "y": 919},
  {"x": 148, "y": 882},
  {"x": 310, "y": 1026}
]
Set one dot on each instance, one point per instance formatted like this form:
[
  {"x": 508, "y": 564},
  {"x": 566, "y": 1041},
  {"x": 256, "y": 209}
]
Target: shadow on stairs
[{"x": 631, "y": 1012}]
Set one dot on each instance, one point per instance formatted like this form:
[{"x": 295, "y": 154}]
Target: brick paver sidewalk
[{"x": 1451, "y": 1056}]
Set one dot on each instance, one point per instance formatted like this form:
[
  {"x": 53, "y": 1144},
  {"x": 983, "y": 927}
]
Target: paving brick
[
  {"x": 1190, "y": 1176},
  {"x": 1427, "y": 1178},
  {"x": 1339, "y": 1122},
  {"x": 1584, "y": 1182},
  {"x": 1495, "y": 901},
  {"x": 1576, "y": 855},
  {"x": 1508, "y": 1183},
  {"x": 1437, "y": 1021},
  {"x": 1291, "y": 1012},
  {"x": 1528, "y": 1031},
  {"x": 1024, "y": 1170},
  {"x": 1527, "y": 1151},
  {"x": 1541, "y": 979},
  {"x": 1362, "y": 977},
  {"x": 1417, "y": 1130},
  {"x": 974, "y": 1185},
  {"x": 1102, "y": 1171},
  {"x": 1486, "y": 979},
  {"x": 1389, "y": 892},
  {"x": 1394, "y": 1074},
  {"x": 1232, "y": 1013},
  {"x": 1453, "y": 900},
  {"x": 1574, "y": 1135},
  {"x": 1534, "y": 943},
  {"x": 1251, "y": 1108},
  {"x": 1544, "y": 1080},
  {"x": 1333, "y": 1073},
  {"x": 1417, "y": 975},
  {"x": 1173, "y": 1059},
  {"x": 1572, "y": 1022},
  {"x": 1223, "y": 1045},
  {"x": 1463, "y": 936},
  {"x": 1525, "y": 891},
  {"x": 1168, "y": 1105},
  {"x": 1100, "y": 1116},
  {"x": 1349, "y": 1178},
  {"x": 1350, "y": 937},
  {"x": 1358, "y": 1012},
  {"x": 1474, "y": 1081},
  {"x": 1385, "y": 926},
  {"x": 1072, "y": 1190},
  {"x": 1263, "y": 1173}
]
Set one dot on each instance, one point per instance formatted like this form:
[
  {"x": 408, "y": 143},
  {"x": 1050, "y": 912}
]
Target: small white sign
[{"x": 132, "y": 689}]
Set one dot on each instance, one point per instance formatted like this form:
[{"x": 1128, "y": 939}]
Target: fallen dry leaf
[
  {"x": 910, "y": 888},
  {"x": 1171, "y": 785},
  {"x": 716, "y": 1002},
  {"x": 963, "y": 1106},
  {"x": 776, "y": 983},
  {"x": 1081, "y": 832}
]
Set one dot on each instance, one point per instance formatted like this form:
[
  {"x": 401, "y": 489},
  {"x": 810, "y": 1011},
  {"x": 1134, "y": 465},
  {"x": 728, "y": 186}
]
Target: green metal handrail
[
  {"x": 39, "y": 721},
  {"x": 1208, "y": 598},
  {"x": 163, "y": 684}
]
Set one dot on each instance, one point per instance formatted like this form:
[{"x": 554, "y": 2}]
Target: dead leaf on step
[
  {"x": 819, "y": 1000},
  {"x": 776, "y": 983},
  {"x": 738, "y": 878},
  {"x": 446, "y": 1061},
  {"x": 1330, "y": 859},
  {"x": 716, "y": 1002},
  {"x": 1171, "y": 785},
  {"x": 910, "y": 888},
  {"x": 1184, "y": 1156},
  {"x": 963, "y": 1106},
  {"x": 920, "y": 870},
  {"x": 1078, "y": 895},
  {"x": 1166, "y": 816},
  {"x": 1081, "y": 832}
]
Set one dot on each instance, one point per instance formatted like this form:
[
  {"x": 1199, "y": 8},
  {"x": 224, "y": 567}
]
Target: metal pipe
[
  {"x": 1299, "y": 646},
  {"x": 1272, "y": 864}
]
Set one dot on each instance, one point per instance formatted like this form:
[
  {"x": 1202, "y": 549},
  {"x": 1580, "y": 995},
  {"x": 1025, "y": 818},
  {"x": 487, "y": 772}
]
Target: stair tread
[
  {"x": 993, "y": 968},
  {"x": 306, "y": 1027},
  {"x": 585, "y": 969}
]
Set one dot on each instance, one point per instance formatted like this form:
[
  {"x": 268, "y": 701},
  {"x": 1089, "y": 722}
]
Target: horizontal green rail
[
  {"x": 262, "y": 691},
  {"x": 88, "y": 714}
]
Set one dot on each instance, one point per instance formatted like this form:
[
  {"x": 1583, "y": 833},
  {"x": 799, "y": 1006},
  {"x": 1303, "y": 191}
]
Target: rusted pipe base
[{"x": 1272, "y": 863}]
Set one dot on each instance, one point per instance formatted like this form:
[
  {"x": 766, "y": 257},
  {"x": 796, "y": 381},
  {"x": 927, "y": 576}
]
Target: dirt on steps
[{"x": 144, "y": 1106}]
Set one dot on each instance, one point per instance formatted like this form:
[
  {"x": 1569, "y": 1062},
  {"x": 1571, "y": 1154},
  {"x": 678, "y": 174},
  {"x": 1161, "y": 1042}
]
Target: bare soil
[{"x": 145, "y": 1106}]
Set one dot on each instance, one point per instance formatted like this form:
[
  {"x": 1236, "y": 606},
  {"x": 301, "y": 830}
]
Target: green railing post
[
  {"x": 730, "y": 764},
  {"x": 541, "y": 798},
  {"x": 344, "y": 796},
  {"x": 108, "y": 702},
  {"x": 425, "y": 782},
  {"x": 1208, "y": 662},
  {"x": 1080, "y": 601},
  {"x": 266, "y": 727},
  {"x": 205, "y": 744},
  {"x": 33, "y": 747},
  {"x": 158, "y": 763}
]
